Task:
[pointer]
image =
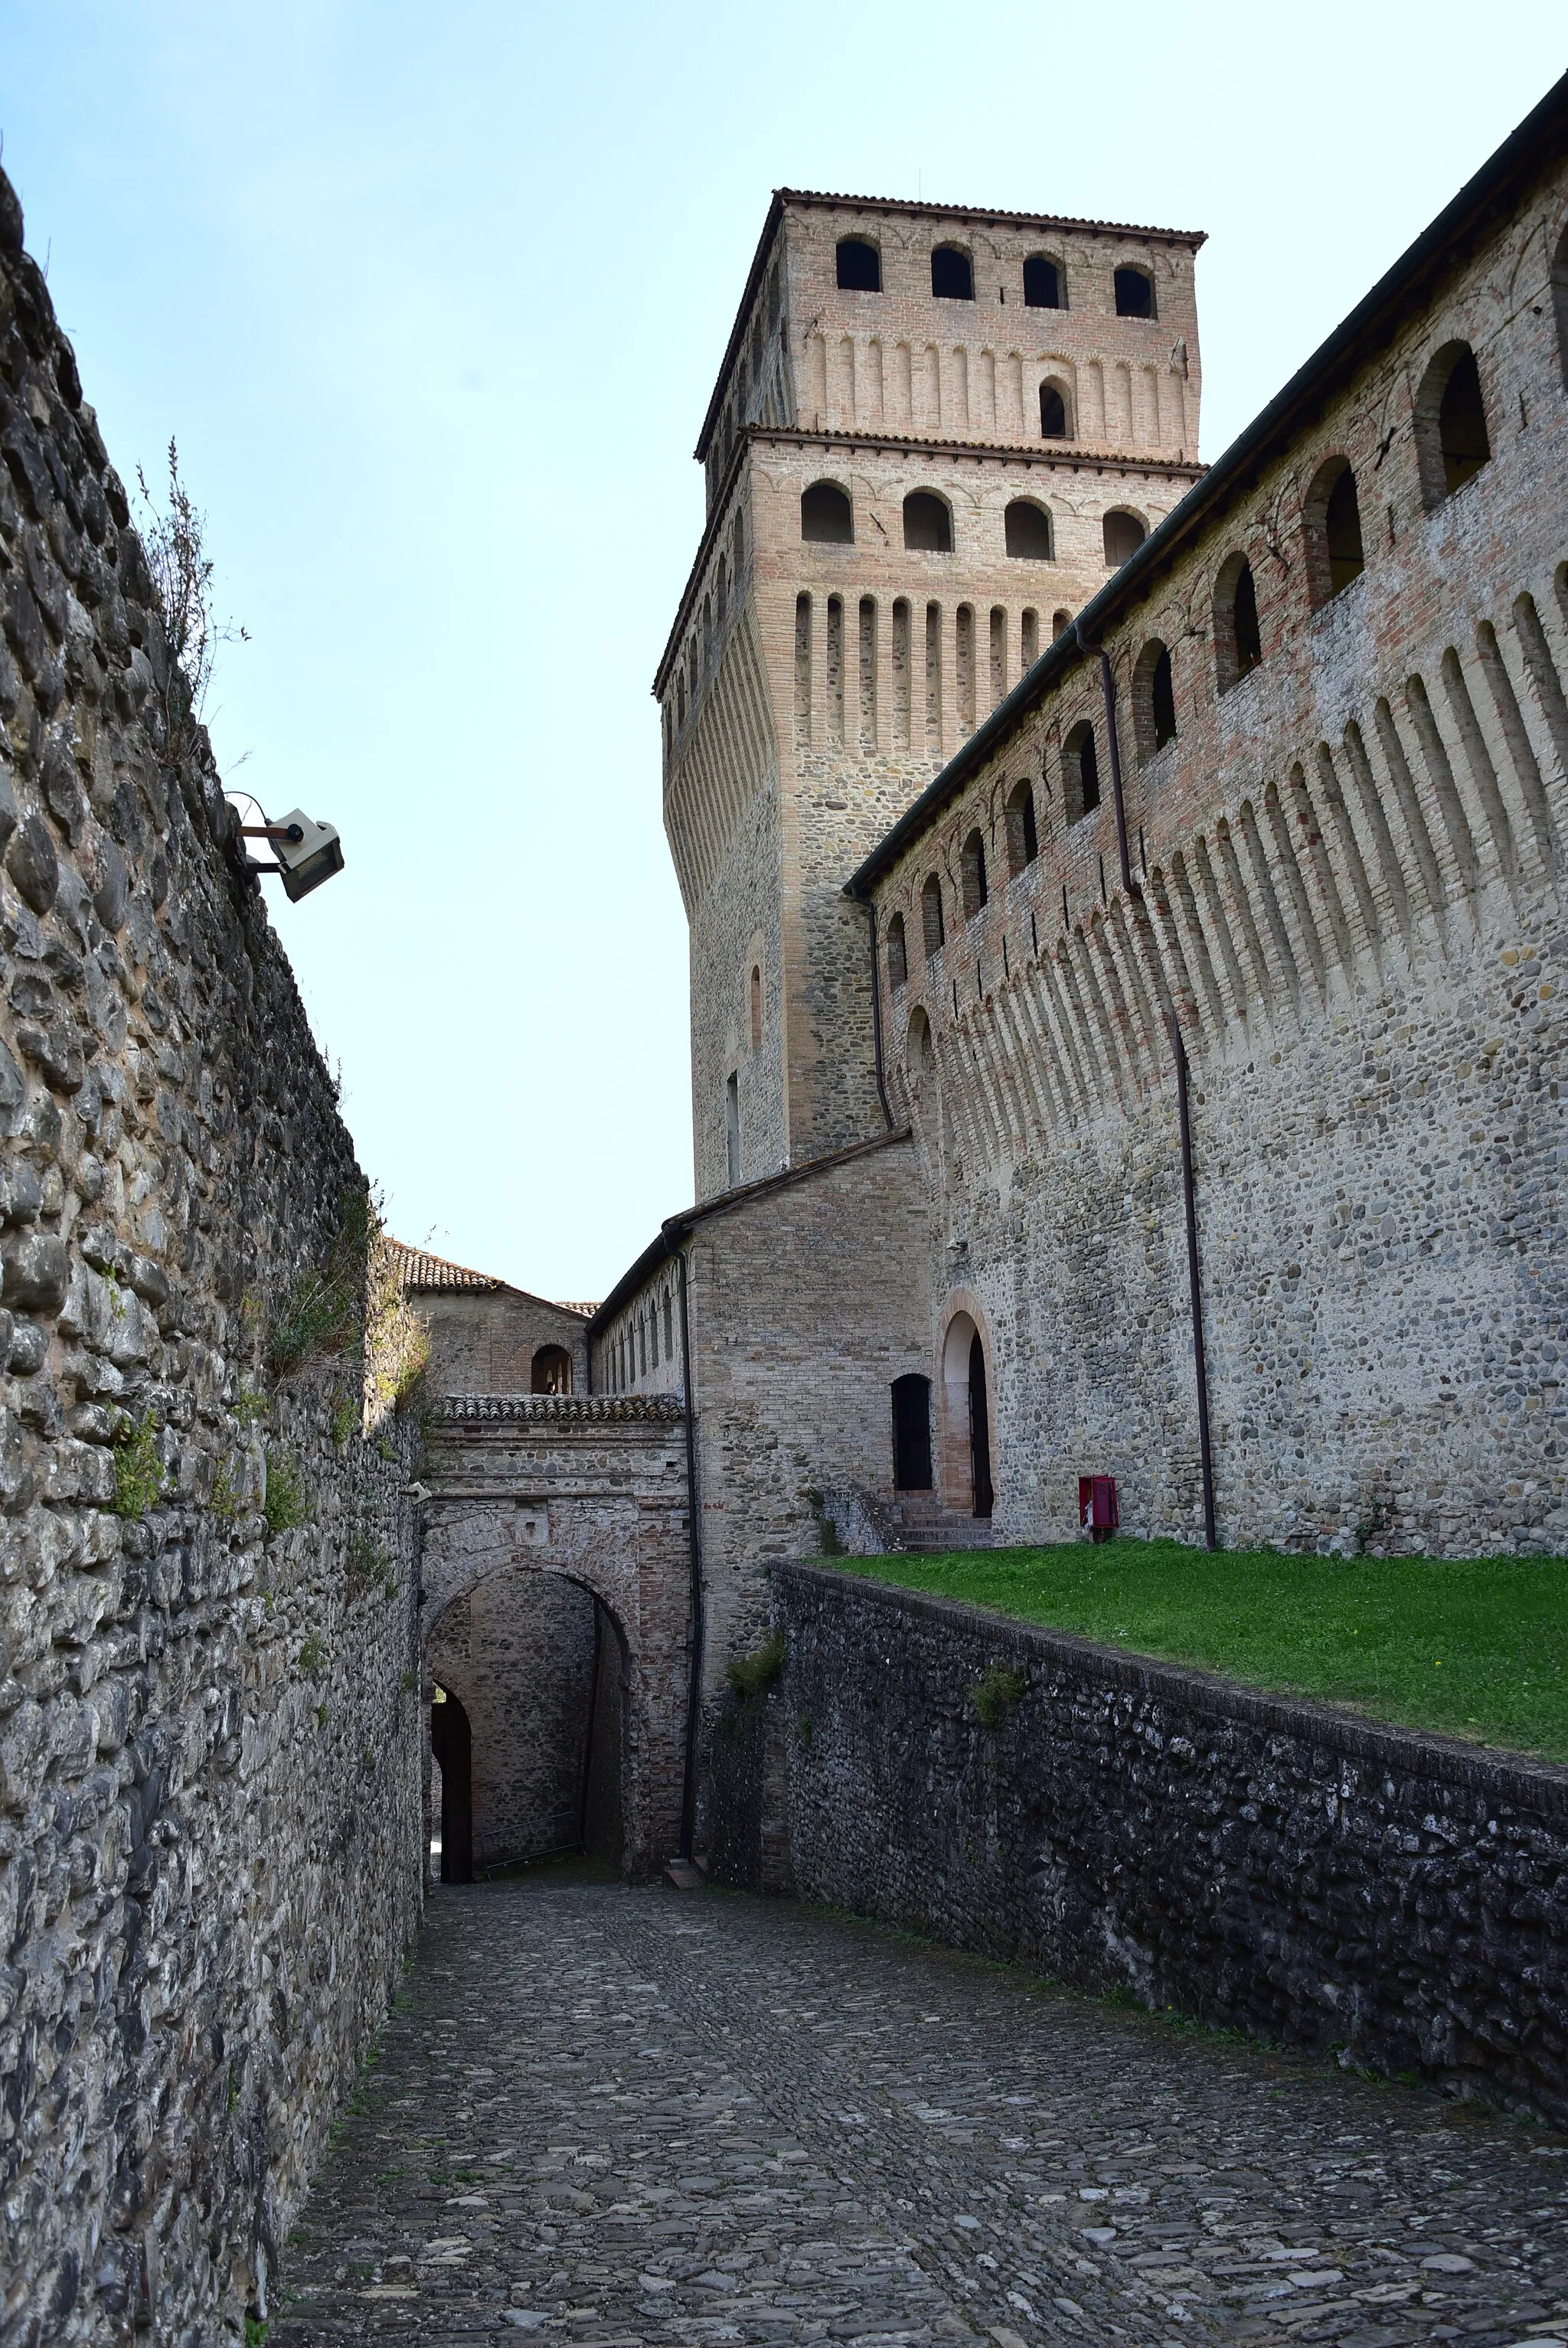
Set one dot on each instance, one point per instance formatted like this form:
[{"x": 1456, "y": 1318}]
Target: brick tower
[{"x": 935, "y": 433}]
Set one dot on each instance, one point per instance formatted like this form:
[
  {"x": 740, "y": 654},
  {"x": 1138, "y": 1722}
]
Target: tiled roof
[
  {"x": 587, "y": 1311},
  {"x": 424, "y": 1271}
]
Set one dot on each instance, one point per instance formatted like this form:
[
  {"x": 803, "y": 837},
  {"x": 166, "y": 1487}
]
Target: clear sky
[{"x": 433, "y": 299}]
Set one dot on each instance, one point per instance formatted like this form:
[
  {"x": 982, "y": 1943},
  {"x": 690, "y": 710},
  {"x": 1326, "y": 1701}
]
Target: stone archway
[{"x": 967, "y": 1418}]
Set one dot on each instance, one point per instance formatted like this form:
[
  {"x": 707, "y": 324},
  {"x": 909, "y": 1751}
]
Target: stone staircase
[{"x": 872, "y": 1524}]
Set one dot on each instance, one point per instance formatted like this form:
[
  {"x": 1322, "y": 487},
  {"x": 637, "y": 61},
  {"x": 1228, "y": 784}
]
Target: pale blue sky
[{"x": 433, "y": 300}]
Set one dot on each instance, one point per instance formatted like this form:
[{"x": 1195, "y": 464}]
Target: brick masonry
[{"x": 1272, "y": 1866}]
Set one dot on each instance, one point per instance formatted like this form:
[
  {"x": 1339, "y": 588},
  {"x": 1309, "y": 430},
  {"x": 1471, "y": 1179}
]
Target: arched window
[
  {"x": 931, "y": 920},
  {"x": 1042, "y": 284},
  {"x": 897, "y": 954},
  {"x": 827, "y": 518},
  {"x": 1451, "y": 439},
  {"x": 1153, "y": 699},
  {"x": 732, "y": 1126},
  {"x": 927, "y": 523},
  {"x": 1080, "y": 773},
  {"x": 1134, "y": 294},
  {"x": 552, "y": 1371},
  {"x": 1028, "y": 529},
  {"x": 757, "y": 1006},
  {"x": 972, "y": 866},
  {"x": 860, "y": 266},
  {"x": 1060, "y": 622},
  {"x": 952, "y": 278},
  {"x": 1030, "y": 637},
  {"x": 920, "y": 1052},
  {"x": 1053, "y": 413},
  {"x": 1331, "y": 518},
  {"x": 1238, "y": 644},
  {"x": 1023, "y": 838},
  {"x": 912, "y": 1434},
  {"x": 1123, "y": 534}
]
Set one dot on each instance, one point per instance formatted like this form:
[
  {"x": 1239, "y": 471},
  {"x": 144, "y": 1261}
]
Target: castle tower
[{"x": 935, "y": 433}]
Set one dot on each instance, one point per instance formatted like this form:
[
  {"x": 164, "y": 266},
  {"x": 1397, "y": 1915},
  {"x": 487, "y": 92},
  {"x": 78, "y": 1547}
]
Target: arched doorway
[
  {"x": 452, "y": 1748},
  {"x": 966, "y": 1477}
]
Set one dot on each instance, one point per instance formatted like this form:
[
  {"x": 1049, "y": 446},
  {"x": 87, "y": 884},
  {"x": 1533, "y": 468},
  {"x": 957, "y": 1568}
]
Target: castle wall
[
  {"x": 1346, "y": 873},
  {"x": 209, "y": 1803}
]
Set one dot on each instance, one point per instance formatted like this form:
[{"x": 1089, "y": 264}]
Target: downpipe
[{"x": 876, "y": 1018}]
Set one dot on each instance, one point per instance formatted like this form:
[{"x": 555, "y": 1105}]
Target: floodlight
[{"x": 308, "y": 853}]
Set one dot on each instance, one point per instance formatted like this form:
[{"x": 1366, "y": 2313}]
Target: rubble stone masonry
[{"x": 209, "y": 1716}]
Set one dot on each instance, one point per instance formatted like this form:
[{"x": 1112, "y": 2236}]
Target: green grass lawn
[{"x": 1476, "y": 1647}]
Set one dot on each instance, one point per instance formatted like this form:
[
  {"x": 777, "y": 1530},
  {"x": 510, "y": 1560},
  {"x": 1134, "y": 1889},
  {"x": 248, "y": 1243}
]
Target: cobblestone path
[{"x": 608, "y": 2115}]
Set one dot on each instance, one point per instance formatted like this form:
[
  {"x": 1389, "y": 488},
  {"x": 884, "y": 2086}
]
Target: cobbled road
[{"x": 609, "y": 2116}]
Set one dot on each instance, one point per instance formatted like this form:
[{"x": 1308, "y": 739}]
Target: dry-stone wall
[
  {"x": 209, "y": 1726},
  {"x": 1272, "y": 1866}
]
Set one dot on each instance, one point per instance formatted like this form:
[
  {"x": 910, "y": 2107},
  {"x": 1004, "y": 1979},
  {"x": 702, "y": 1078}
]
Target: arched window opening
[
  {"x": 1060, "y": 622},
  {"x": 1030, "y": 637},
  {"x": 827, "y": 518},
  {"x": 951, "y": 277},
  {"x": 972, "y": 867},
  {"x": 860, "y": 266},
  {"x": 1123, "y": 534},
  {"x": 1042, "y": 284},
  {"x": 927, "y": 523},
  {"x": 757, "y": 1006},
  {"x": 1331, "y": 521},
  {"x": 1153, "y": 699},
  {"x": 1134, "y": 294},
  {"x": 1080, "y": 772},
  {"x": 1053, "y": 413},
  {"x": 1238, "y": 644},
  {"x": 732, "y": 1127},
  {"x": 669, "y": 1327},
  {"x": 897, "y": 954},
  {"x": 1451, "y": 439},
  {"x": 931, "y": 921},
  {"x": 912, "y": 1434},
  {"x": 552, "y": 1371},
  {"x": 920, "y": 1052},
  {"x": 1028, "y": 531},
  {"x": 1560, "y": 302},
  {"x": 452, "y": 1750},
  {"x": 1023, "y": 838}
]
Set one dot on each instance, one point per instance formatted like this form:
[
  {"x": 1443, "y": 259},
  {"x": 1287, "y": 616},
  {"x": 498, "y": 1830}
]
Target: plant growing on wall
[
  {"x": 287, "y": 1503},
  {"x": 174, "y": 539},
  {"x": 138, "y": 1468},
  {"x": 749, "y": 1674},
  {"x": 994, "y": 1695}
]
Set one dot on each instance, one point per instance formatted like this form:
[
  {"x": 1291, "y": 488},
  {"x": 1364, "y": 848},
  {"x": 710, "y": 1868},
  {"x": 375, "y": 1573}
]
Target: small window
[
  {"x": 927, "y": 523},
  {"x": 1028, "y": 531},
  {"x": 827, "y": 517},
  {"x": 756, "y": 1007},
  {"x": 1124, "y": 534},
  {"x": 1060, "y": 622},
  {"x": 1053, "y": 413},
  {"x": 1451, "y": 439},
  {"x": 912, "y": 1434},
  {"x": 732, "y": 1127},
  {"x": 931, "y": 920},
  {"x": 1080, "y": 773},
  {"x": 1030, "y": 637},
  {"x": 1042, "y": 284},
  {"x": 897, "y": 954},
  {"x": 1153, "y": 699},
  {"x": 952, "y": 278},
  {"x": 920, "y": 1052},
  {"x": 1023, "y": 838},
  {"x": 860, "y": 266},
  {"x": 1134, "y": 294},
  {"x": 1331, "y": 518},
  {"x": 552, "y": 1371},
  {"x": 669, "y": 1327},
  {"x": 972, "y": 866},
  {"x": 1238, "y": 642}
]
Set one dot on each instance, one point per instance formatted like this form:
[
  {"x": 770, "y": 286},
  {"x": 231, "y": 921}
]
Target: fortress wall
[
  {"x": 210, "y": 1800},
  {"x": 1347, "y": 875}
]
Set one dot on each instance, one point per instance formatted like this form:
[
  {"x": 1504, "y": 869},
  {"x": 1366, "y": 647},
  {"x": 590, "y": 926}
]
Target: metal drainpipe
[
  {"x": 876, "y": 1018},
  {"x": 693, "y": 1688},
  {"x": 1178, "y": 1052}
]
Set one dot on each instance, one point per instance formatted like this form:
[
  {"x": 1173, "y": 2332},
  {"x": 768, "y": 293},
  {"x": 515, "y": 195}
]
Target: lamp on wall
[{"x": 308, "y": 853}]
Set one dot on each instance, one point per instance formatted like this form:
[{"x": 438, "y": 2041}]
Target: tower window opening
[
  {"x": 1029, "y": 638},
  {"x": 757, "y": 1006},
  {"x": 1153, "y": 699},
  {"x": 931, "y": 921},
  {"x": 1134, "y": 294},
  {"x": 1060, "y": 622},
  {"x": 972, "y": 866},
  {"x": 1080, "y": 772},
  {"x": 1042, "y": 284},
  {"x": 1331, "y": 522},
  {"x": 897, "y": 954},
  {"x": 551, "y": 1371},
  {"x": 827, "y": 517},
  {"x": 1238, "y": 641},
  {"x": 1123, "y": 534},
  {"x": 1053, "y": 413},
  {"x": 952, "y": 274},
  {"x": 1028, "y": 529},
  {"x": 1451, "y": 439},
  {"x": 927, "y": 523},
  {"x": 860, "y": 266},
  {"x": 1023, "y": 836}
]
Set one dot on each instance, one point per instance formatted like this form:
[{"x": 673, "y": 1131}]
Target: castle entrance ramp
[{"x": 538, "y": 1505}]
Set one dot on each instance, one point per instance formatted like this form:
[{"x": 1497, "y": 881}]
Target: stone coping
[
  {"x": 1511, "y": 1778},
  {"x": 467, "y": 1410}
]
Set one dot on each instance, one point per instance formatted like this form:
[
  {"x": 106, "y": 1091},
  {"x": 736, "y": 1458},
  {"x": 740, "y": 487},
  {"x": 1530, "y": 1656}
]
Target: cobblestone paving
[{"x": 608, "y": 2115}]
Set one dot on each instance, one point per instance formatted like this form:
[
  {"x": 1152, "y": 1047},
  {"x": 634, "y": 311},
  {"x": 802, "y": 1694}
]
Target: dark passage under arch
[
  {"x": 980, "y": 1428},
  {"x": 452, "y": 1743}
]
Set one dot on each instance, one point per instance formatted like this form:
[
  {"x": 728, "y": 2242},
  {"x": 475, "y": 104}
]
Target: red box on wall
[{"x": 1096, "y": 1506}]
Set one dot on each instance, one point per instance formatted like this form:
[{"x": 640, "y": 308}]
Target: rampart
[{"x": 209, "y": 1729}]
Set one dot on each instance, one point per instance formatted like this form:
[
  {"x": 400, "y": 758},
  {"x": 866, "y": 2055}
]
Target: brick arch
[{"x": 954, "y": 1473}]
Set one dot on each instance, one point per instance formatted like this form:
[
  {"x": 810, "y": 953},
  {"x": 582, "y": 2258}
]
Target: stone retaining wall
[{"x": 1267, "y": 1865}]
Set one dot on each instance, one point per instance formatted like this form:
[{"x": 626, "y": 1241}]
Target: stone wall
[
  {"x": 1268, "y": 1866},
  {"x": 209, "y": 1706}
]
